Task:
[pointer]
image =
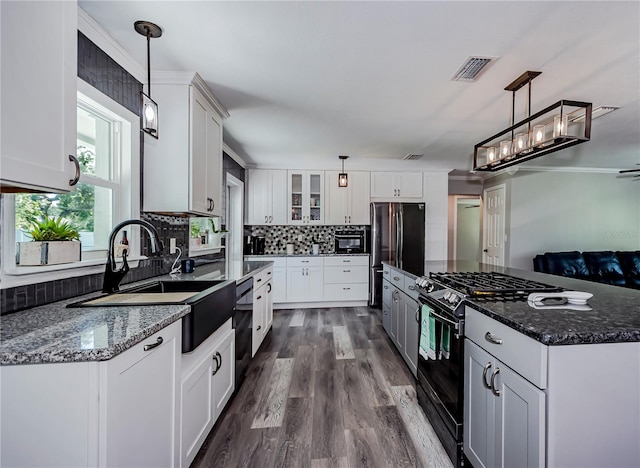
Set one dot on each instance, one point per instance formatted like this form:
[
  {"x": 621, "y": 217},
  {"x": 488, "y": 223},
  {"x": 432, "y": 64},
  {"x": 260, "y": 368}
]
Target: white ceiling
[{"x": 307, "y": 81}]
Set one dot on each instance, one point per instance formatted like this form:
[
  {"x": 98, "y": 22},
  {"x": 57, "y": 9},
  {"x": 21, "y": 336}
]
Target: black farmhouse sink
[{"x": 212, "y": 304}]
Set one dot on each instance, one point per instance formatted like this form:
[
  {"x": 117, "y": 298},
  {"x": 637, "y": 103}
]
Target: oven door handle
[{"x": 444, "y": 319}]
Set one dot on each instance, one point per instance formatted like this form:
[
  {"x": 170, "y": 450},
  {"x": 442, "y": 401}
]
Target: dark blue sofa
[{"x": 618, "y": 268}]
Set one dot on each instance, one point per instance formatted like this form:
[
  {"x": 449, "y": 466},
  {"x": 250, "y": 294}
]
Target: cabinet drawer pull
[
  {"x": 412, "y": 288},
  {"x": 396, "y": 278},
  {"x": 346, "y": 261},
  {"x": 494, "y": 390},
  {"x": 258, "y": 298},
  {"x": 268, "y": 273},
  {"x": 346, "y": 289},
  {"x": 304, "y": 261},
  {"x": 149, "y": 347},
  {"x": 76, "y": 177},
  {"x": 259, "y": 279},
  {"x": 346, "y": 271},
  {"x": 491, "y": 339},
  {"x": 259, "y": 327},
  {"x": 484, "y": 376}
]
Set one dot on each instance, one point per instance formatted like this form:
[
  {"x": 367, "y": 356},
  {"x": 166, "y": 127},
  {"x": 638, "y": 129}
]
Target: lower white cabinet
[
  {"x": 400, "y": 317},
  {"x": 305, "y": 279},
  {"x": 141, "y": 403},
  {"x": 207, "y": 385},
  {"x": 120, "y": 412},
  {"x": 262, "y": 308},
  {"x": 346, "y": 278},
  {"x": 504, "y": 414}
]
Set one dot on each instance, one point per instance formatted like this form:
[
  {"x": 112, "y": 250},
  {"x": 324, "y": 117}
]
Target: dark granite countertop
[
  {"x": 54, "y": 333},
  {"x": 614, "y": 316}
]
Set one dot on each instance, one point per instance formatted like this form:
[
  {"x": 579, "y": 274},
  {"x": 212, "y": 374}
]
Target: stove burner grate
[{"x": 492, "y": 286}]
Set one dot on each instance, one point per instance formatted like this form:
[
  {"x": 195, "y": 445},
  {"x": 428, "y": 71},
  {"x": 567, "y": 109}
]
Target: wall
[{"x": 560, "y": 211}]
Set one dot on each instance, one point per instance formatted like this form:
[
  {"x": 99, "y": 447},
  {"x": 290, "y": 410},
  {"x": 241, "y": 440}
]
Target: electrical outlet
[{"x": 172, "y": 245}]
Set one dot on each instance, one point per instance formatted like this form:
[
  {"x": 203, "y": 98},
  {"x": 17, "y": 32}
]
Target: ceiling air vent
[
  {"x": 472, "y": 68},
  {"x": 411, "y": 157}
]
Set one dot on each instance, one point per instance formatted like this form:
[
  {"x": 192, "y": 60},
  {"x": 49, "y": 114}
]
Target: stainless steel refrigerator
[{"x": 397, "y": 237}]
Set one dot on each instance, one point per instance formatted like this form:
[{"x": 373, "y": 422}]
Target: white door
[{"x": 493, "y": 221}]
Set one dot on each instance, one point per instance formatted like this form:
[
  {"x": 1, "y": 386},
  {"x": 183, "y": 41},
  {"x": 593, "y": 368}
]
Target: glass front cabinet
[{"x": 306, "y": 197}]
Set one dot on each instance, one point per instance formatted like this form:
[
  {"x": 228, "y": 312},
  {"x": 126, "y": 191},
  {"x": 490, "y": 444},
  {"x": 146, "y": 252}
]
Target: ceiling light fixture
[
  {"x": 561, "y": 125},
  {"x": 149, "y": 117},
  {"x": 343, "y": 178}
]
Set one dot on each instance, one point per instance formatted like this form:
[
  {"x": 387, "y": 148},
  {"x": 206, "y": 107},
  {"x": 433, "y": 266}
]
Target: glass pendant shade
[
  {"x": 149, "y": 116},
  {"x": 343, "y": 180}
]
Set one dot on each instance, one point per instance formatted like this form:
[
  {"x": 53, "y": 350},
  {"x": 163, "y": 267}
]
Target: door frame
[
  {"x": 454, "y": 239},
  {"x": 234, "y": 218}
]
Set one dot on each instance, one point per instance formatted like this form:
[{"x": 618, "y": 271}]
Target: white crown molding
[
  {"x": 90, "y": 28},
  {"x": 233, "y": 155},
  {"x": 190, "y": 78}
]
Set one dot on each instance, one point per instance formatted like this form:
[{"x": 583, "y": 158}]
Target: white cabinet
[
  {"x": 38, "y": 88},
  {"x": 267, "y": 197},
  {"x": 396, "y": 185},
  {"x": 305, "y": 279},
  {"x": 183, "y": 168},
  {"x": 400, "y": 314},
  {"x": 306, "y": 197},
  {"x": 262, "y": 307},
  {"x": 140, "y": 403},
  {"x": 346, "y": 278},
  {"x": 504, "y": 414},
  {"x": 347, "y": 205},
  {"x": 278, "y": 277},
  {"x": 208, "y": 378}
]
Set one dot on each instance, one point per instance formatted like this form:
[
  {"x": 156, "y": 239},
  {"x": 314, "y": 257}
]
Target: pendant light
[
  {"x": 343, "y": 178},
  {"x": 561, "y": 125},
  {"x": 149, "y": 117}
]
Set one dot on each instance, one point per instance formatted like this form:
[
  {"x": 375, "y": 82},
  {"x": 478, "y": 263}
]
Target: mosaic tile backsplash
[{"x": 277, "y": 237}]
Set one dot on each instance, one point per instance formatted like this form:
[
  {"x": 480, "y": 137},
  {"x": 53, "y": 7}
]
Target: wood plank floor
[{"x": 326, "y": 389}]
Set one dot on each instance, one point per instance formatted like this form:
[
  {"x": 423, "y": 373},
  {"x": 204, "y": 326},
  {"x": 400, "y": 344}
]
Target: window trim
[{"x": 128, "y": 206}]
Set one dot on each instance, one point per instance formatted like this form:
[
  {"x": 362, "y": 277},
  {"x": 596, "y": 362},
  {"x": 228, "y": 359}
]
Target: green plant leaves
[{"x": 53, "y": 229}]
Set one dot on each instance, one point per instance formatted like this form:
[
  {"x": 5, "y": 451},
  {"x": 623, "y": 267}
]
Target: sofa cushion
[
  {"x": 630, "y": 264},
  {"x": 569, "y": 264},
  {"x": 604, "y": 267},
  {"x": 539, "y": 263}
]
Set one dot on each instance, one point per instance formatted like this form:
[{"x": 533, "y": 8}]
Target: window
[{"x": 106, "y": 193}]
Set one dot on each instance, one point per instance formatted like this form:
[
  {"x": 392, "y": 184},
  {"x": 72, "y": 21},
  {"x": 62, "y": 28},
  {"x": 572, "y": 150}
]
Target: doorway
[
  {"x": 466, "y": 229},
  {"x": 493, "y": 223},
  {"x": 235, "y": 217}
]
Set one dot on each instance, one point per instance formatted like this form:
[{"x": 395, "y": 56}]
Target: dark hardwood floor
[{"x": 326, "y": 389}]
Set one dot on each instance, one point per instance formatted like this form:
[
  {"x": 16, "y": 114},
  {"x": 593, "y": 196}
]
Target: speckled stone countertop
[
  {"x": 614, "y": 316},
  {"x": 54, "y": 333}
]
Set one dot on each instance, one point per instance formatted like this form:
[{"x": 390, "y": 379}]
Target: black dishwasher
[{"x": 243, "y": 322}]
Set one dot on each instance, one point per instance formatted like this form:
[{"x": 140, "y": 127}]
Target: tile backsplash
[{"x": 277, "y": 237}]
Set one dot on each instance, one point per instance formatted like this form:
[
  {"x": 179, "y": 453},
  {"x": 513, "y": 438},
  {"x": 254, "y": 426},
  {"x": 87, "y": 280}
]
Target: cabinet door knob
[
  {"x": 396, "y": 278},
  {"x": 270, "y": 219},
  {"x": 76, "y": 177},
  {"x": 349, "y": 219},
  {"x": 149, "y": 347},
  {"x": 259, "y": 327}
]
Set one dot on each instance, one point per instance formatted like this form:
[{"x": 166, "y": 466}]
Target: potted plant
[{"x": 53, "y": 241}]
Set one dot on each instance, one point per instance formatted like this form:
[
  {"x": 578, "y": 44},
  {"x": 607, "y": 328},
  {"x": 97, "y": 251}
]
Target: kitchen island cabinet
[
  {"x": 183, "y": 168},
  {"x": 39, "y": 73}
]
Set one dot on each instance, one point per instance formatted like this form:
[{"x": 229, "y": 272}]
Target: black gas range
[{"x": 441, "y": 350}]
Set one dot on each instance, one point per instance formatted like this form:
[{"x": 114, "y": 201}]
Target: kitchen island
[{"x": 548, "y": 384}]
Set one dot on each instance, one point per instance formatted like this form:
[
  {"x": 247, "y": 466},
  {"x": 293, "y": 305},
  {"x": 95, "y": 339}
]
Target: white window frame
[{"x": 126, "y": 204}]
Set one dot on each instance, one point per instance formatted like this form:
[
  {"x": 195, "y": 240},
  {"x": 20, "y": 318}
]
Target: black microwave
[{"x": 350, "y": 242}]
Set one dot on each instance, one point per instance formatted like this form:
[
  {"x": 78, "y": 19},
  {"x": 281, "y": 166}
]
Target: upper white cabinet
[
  {"x": 183, "y": 168},
  {"x": 306, "y": 197},
  {"x": 267, "y": 197},
  {"x": 396, "y": 185},
  {"x": 347, "y": 205},
  {"x": 38, "y": 88}
]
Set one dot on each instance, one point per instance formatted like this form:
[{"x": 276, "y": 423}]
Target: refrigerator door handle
[
  {"x": 396, "y": 219},
  {"x": 400, "y": 237}
]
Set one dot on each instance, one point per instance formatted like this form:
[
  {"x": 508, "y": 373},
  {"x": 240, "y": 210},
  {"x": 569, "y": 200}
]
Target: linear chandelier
[{"x": 561, "y": 125}]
